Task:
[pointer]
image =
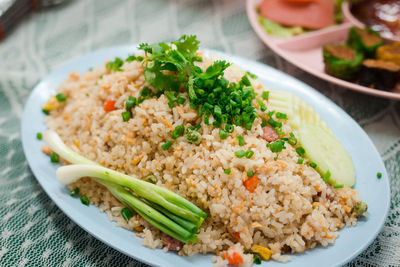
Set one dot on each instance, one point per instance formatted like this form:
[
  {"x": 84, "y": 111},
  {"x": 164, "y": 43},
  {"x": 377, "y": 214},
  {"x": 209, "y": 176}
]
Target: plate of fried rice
[{"x": 264, "y": 201}]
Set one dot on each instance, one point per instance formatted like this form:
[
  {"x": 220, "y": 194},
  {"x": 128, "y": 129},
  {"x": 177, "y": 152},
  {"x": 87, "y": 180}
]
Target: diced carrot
[
  {"x": 109, "y": 105},
  {"x": 233, "y": 257},
  {"x": 251, "y": 183},
  {"x": 236, "y": 235}
]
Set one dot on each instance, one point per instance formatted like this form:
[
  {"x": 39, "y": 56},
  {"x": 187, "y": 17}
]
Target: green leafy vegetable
[{"x": 278, "y": 30}]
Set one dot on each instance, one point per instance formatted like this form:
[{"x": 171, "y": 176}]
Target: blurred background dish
[
  {"x": 12, "y": 11},
  {"x": 303, "y": 46},
  {"x": 380, "y": 15}
]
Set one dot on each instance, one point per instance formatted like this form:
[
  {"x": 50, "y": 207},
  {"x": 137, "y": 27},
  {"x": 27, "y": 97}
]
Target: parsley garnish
[
  {"x": 115, "y": 65},
  {"x": 171, "y": 67}
]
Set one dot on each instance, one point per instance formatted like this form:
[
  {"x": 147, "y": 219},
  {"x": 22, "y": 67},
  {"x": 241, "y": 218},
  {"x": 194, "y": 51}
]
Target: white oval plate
[{"x": 352, "y": 240}]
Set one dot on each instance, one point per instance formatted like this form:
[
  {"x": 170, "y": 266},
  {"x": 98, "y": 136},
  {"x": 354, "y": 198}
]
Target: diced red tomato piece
[
  {"x": 109, "y": 105},
  {"x": 251, "y": 183},
  {"x": 233, "y": 257}
]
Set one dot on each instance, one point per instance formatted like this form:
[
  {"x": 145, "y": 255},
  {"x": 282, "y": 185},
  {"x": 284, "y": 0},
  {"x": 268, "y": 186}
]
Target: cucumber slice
[
  {"x": 298, "y": 111},
  {"x": 329, "y": 155}
]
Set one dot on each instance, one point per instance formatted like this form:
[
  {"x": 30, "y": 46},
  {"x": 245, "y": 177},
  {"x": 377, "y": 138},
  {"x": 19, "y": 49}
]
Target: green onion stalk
[{"x": 167, "y": 211}]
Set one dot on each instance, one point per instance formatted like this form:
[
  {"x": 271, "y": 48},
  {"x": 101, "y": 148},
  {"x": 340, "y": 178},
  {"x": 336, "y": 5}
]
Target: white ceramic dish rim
[{"x": 95, "y": 223}]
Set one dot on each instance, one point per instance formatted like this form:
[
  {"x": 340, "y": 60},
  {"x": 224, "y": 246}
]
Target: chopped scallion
[
  {"x": 240, "y": 140},
  {"x": 54, "y": 157},
  {"x": 276, "y": 146},
  {"x": 274, "y": 123},
  {"x": 126, "y": 115},
  {"x": 223, "y": 134},
  {"x": 178, "y": 131},
  {"x": 85, "y": 200},
  {"x": 170, "y": 96},
  {"x": 265, "y": 95},
  {"x": 292, "y": 140},
  {"x": 229, "y": 128},
  {"x": 166, "y": 145},
  {"x": 126, "y": 214},
  {"x": 249, "y": 153},
  {"x": 280, "y": 115},
  {"x": 300, "y": 151},
  {"x": 256, "y": 259},
  {"x": 326, "y": 176},
  {"x": 130, "y": 103},
  {"x": 39, "y": 136},
  {"x": 240, "y": 153},
  {"x": 227, "y": 171},
  {"x": 74, "y": 192},
  {"x": 313, "y": 165},
  {"x": 61, "y": 97},
  {"x": 263, "y": 123},
  {"x": 181, "y": 100}
]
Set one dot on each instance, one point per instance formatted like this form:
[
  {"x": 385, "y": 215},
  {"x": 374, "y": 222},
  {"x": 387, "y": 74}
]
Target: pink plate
[{"x": 305, "y": 51}]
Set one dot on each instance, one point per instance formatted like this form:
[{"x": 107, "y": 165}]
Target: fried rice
[{"x": 291, "y": 210}]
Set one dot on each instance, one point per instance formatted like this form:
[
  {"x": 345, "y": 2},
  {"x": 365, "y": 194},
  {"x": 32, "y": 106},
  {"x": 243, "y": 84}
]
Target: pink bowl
[{"x": 305, "y": 50}]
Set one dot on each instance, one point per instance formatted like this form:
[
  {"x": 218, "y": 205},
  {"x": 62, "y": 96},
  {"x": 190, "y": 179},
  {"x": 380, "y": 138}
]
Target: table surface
[{"x": 33, "y": 231}]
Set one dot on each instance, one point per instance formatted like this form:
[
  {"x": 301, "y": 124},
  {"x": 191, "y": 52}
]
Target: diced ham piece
[
  {"x": 171, "y": 243},
  {"x": 270, "y": 134},
  {"x": 311, "y": 14}
]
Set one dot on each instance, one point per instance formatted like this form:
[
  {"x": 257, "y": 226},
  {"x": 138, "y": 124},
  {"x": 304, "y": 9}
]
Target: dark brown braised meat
[
  {"x": 379, "y": 74},
  {"x": 380, "y": 15}
]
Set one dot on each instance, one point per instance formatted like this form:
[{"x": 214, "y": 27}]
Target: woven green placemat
[{"x": 33, "y": 231}]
